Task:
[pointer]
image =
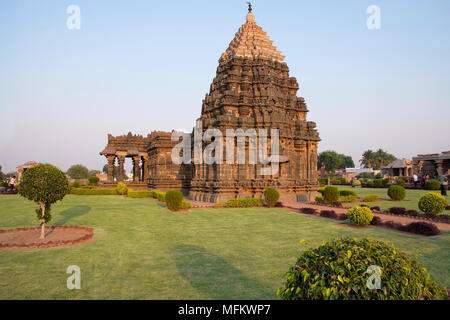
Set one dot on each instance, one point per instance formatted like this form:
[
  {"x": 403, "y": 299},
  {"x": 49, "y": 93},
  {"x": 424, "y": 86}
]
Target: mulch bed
[{"x": 56, "y": 236}]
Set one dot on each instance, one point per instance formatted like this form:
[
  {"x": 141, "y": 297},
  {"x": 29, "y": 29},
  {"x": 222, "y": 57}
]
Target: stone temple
[{"x": 252, "y": 90}]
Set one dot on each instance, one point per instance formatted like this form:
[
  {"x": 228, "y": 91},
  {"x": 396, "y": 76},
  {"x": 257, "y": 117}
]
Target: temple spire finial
[
  {"x": 250, "y": 16},
  {"x": 249, "y": 7}
]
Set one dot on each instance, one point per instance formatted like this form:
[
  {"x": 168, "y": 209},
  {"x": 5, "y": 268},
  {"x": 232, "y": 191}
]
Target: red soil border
[{"x": 39, "y": 244}]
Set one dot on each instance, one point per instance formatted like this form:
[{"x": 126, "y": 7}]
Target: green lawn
[
  {"x": 143, "y": 251},
  {"x": 410, "y": 202}
]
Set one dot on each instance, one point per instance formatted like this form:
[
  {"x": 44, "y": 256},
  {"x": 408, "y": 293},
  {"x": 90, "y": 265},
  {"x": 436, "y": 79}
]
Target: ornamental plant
[
  {"x": 432, "y": 184},
  {"x": 378, "y": 183},
  {"x": 401, "y": 182},
  {"x": 356, "y": 183},
  {"x": 121, "y": 188},
  {"x": 370, "y": 198},
  {"x": 396, "y": 193},
  {"x": 330, "y": 194},
  {"x": 432, "y": 202},
  {"x": 271, "y": 197},
  {"x": 174, "y": 200},
  {"x": 339, "y": 270},
  {"x": 361, "y": 216},
  {"x": 44, "y": 184},
  {"x": 93, "y": 180}
]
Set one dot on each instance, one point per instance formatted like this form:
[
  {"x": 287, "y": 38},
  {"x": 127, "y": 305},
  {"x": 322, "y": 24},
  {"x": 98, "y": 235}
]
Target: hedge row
[
  {"x": 93, "y": 192},
  {"x": 244, "y": 203},
  {"x": 401, "y": 211}
]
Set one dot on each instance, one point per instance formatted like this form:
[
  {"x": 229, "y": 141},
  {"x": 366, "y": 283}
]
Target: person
[
  {"x": 444, "y": 185},
  {"x": 416, "y": 179},
  {"x": 12, "y": 182}
]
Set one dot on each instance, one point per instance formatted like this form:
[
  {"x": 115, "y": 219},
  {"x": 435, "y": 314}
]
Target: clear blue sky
[{"x": 146, "y": 65}]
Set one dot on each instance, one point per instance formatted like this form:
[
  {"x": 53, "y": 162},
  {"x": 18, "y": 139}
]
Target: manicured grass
[
  {"x": 144, "y": 251},
  {"x": 410, "y": 202}
]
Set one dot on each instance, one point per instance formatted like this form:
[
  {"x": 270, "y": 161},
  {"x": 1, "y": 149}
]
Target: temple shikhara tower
[{"x": 252, "y": 91}]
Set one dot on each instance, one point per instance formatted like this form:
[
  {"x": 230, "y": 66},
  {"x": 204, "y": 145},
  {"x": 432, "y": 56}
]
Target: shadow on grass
[
  {"x": 213, "y": 276},
  {"x": 71, "y": 213}
]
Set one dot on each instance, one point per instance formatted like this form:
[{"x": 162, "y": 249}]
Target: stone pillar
[
  {"x": 135, "y": 168},
  {"x": 121, "y": 168},
  {"x": 439, "y": 167},
  {"x": 110, "y": 173},
  {"x": 144, "y": 169}
]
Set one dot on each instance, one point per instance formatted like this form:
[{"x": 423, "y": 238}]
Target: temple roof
[{"x": 251, "y": 41}]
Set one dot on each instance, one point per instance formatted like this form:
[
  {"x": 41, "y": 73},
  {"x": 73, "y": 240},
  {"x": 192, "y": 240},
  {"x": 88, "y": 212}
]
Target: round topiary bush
[
  {"x": 44, "y": 184},
  {"x": 121, "y": 188},
  {"x": 361, "y": 216},
  {"x": 93, "y": 180},
  {"x": 356, "y": 183},
  {"x": 174, "y": 200},
  {"x": 432, "y": 202},
  {"x": 339, "y": 270},
  {"x": 378, "y": 183},
  {"x": 401, "y": 182},
  {"x": 331, "y": 194},
  {"x": 76, "y": 184},
  {"x": 432, "y": 184},
  {"x": 396, "y": 193},
  {"x": 271, "y": 197}
]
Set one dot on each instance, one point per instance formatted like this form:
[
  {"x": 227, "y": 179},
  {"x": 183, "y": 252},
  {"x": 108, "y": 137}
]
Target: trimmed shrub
[
  {"x": 347, "y": 196},
  {"x": 140, "y": 194},
  {"x": 432, "y": 184},
  {"x": 339, "y": 270},
  {"x": 356, "y": 183},
  {"x": 444, "y": 218},
  {"x": 370, "y": 198},
  {"x": 321, "y": 190},
  {"x": 76, "y": 184},
  {"x": 219, "y": 205},
  {"x": 174, "y": 200},
  {"x": 348, "y": 199},
  {"x": 412, "y": 213},
  {"x": 322, "y": 180},
  {"x": 308, "y": 210},
  {"x": 159, "y": 195},
  {"x": 93, "y": 180},
  {"x": 271, "y": 197},
  {"x": 361, "y": 216},
  {"x": 121, "y": 188},
  {"x": 385, "y": 182},
  {"x": 369, "y": 183},
  {"x": 319, "y": 199},
  {"x": 328, "y": 214},
  {"x": 93, "y": 192},
  {"x": 377, "y": 183},
  {"x": 423, "y": 228},
  {"x": 337, "y": 204},
  {"x": 342, "y": 216},
  {"x": 345, "y": 193},
  {"x": 397, "y": 210},
  {"x": 376, "y": 221},
  {"x": 432, "y": 202},
  {"x": 244, "y": 203},
  {"x": 396, "y": 193},
  {"x": 430, "y": 215},
  {"x": 331, "y": 194},
  {"x": 185, "y": 205},
  {"x": 401, "y": 182}
]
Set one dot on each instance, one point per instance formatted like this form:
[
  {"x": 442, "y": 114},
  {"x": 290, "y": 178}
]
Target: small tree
[
  {"x": 271, "y": 196},
  {"x": 44, "y": 184},
  {"x": 78, "y": 171}
]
